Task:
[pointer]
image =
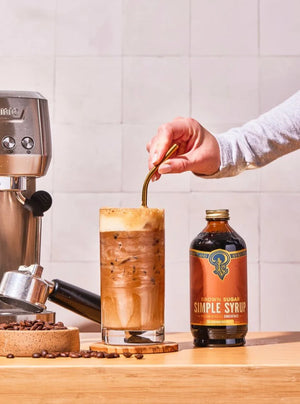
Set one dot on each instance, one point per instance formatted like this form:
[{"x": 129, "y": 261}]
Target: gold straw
[{"x": 151, "y": 172}]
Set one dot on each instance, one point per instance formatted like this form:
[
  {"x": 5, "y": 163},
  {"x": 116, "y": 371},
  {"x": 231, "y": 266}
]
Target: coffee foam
[{"x": 131, "y": 219}]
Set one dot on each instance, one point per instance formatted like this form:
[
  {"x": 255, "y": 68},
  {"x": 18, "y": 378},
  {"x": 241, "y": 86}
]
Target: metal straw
[{"x": 151, "y": 173}]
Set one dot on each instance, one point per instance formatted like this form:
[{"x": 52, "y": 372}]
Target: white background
[{"x": 113, "y": 71}]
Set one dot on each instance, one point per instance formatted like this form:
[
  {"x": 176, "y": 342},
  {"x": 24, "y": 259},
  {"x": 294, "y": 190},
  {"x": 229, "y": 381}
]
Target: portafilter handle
[{"x": 78, "y": 300}]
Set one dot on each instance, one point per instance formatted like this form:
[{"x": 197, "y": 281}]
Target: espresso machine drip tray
[{"x": 16, "y": 315}]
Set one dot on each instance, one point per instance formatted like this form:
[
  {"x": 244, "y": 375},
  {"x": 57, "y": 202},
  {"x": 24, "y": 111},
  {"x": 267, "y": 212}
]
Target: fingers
[
  {"x": 161, "y": 143},
  {"x": 175, "y": 165},
  {"x": 180, "y": 130},
  {"x": 183, "y": 131}
]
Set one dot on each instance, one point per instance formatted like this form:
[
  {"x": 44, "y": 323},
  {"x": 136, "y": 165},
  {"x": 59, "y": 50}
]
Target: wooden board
[
  {"x": 25, "y": 343},
  {"x": 164, "y": 347}
]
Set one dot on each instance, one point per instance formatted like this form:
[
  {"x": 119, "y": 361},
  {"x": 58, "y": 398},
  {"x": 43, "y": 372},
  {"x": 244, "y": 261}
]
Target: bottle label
[{"x": 218, "y": 287}]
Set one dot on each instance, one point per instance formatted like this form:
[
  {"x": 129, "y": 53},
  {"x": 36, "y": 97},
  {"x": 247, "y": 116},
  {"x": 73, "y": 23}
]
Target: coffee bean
[
  {"x": 64, "y": 354},
  {"x": 74, "y": 355},
  {"x": 50, "y": 356},
  {"x": 10, "y": 356},
  {"x": 36, "y": 355},
  {"x": 44, "y": 352},
  {"x": 127, "y": 354},
  {"x": 139, "y": 356},
  {"x": 100, "y": 355},
  {"x": 86, "y": 355},
  {"x": 110, "y": 355},
  {"x": 116, "y": 355}
]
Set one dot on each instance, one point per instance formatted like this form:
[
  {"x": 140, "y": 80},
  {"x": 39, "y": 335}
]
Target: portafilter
[{"x": 26, "y": 290}]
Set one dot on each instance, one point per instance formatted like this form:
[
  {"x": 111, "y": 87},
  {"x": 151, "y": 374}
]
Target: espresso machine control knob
[
  {"x": 8, "y": 142},
  {"x": 27, "y": 143}
]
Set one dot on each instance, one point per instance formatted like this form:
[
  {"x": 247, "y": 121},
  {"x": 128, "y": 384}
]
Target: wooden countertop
[{"x": 266, "y": 370}]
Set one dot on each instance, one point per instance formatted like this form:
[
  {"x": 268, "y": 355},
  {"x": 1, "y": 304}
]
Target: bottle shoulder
[{"x": 210, "y": 241}]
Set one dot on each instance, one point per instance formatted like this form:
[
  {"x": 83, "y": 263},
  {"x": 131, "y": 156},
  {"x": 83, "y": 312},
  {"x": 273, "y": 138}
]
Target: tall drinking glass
[{"x": 132, "y": 255}]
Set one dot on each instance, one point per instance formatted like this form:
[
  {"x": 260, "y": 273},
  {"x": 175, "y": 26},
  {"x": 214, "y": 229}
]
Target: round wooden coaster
[{"x": 163, "y": 347}]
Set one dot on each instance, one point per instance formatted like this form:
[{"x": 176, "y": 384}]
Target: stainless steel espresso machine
[{"x": 25, "y": 154}]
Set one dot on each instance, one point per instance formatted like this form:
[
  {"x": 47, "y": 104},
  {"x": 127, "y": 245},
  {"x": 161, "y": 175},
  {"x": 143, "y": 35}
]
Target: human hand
[{"x": 198, "y": 149}]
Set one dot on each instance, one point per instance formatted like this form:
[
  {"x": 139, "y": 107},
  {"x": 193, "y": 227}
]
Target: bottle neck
[{"x": 217, "y": 226}]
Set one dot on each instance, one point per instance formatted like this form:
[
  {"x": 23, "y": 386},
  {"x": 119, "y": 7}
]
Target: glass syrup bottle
[{"x": 218, "y": 284}]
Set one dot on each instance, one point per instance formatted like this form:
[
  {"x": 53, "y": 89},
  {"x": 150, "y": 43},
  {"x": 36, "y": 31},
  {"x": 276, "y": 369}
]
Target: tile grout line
[
  {"x": 190, "y": 70},
  {"x": 259, "y": 194},
  {"x": 122, "y": 95}
]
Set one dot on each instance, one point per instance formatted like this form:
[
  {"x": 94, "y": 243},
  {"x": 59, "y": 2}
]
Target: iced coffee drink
[{"x": 132, "y": 275}]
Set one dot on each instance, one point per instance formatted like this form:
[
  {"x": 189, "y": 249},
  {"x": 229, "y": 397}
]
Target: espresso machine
[{"x": 25, "y": 154}]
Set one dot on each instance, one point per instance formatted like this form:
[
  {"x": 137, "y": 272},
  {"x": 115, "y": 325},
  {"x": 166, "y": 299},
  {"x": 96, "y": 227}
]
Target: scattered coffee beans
[
  {"x": 81, "y": 354},
  {"x": 35, "y": 325}
]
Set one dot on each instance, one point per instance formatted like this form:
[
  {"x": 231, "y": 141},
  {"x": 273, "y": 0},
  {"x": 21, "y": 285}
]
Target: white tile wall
[
  {"x": 279, "y": 297},
  {"x": 155, "y": 89},
  {"x": 113, "y": 71},
  {"x": 216, "y": 25},
  {"x": 282, "y": 174},
  {"x": 253, "y": 296},
  {"x": 88, "y": 89},
  {"x": 155, "y": 27},
  {"x": 27, "y": 28},
  {"x": 89, "y": 27},
  {"x": 224, "y": 90},
  {"x": 85, "y": 142},
  {"x": 279, "y": 27},
  {"x": 274, "y": 70},
  {"x": 280, "y": 223}
]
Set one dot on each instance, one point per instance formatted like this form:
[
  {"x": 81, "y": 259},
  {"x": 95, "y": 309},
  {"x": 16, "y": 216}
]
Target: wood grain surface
[
  {"x": 266, "y": 370},
  {"x": 25, "y": 343}
]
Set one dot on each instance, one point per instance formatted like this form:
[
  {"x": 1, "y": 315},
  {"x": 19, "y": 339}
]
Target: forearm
[{"x": 262, "y": 140}]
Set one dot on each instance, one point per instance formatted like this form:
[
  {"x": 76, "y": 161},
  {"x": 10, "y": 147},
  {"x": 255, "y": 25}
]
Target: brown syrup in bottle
[{"x": 216, "y": 239}]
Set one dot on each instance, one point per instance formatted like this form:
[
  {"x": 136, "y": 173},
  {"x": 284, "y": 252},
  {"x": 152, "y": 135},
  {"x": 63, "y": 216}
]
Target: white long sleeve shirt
[{"x": 260, "y": 141}]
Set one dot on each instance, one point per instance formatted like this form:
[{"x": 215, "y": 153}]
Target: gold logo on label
[{"x": 220, "y": 259}]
